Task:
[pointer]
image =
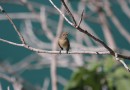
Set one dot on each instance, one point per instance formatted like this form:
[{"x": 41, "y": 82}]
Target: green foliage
[{"x": 96, "y": 75}]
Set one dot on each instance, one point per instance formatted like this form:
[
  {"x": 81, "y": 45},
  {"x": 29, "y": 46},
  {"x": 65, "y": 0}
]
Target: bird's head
[{"x": 64, "y": 35}]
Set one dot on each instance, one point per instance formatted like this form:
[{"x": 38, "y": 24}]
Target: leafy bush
[{"x": 105, "y": 74}]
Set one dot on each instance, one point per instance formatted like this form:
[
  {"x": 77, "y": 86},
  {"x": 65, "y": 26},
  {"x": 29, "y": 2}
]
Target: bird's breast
[{"x": 63, "y": 43}]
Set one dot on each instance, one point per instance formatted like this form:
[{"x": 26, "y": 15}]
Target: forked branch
[
  {"x": 113, "y": 53},
  {"x": 85, "y": 31}
]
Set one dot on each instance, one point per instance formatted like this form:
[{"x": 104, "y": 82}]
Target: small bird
[{"x": 63, "y": 42}]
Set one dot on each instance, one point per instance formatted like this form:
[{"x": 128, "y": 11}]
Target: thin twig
[
  {"x": 12, "y": 43},
  {"x": 80, "y": 19},
  {"x": 69, "y": 12},
  {"x": 122, "y": 62},
  {"x": 20, "y": 35},
  {"x": 61, "y": 13}
]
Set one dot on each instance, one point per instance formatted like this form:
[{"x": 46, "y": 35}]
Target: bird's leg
[
  {"x": 60, "y": 50},
  {"x": 67, "y": 50}
]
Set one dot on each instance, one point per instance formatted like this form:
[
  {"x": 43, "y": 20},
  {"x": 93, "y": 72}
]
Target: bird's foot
[
  {"x": 60, "y": 52},
  {"x": 66, "y": 52}
]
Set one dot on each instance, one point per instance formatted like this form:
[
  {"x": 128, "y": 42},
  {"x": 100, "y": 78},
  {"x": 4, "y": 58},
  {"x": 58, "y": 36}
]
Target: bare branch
[
  {"x": 54, "y": 52},
  {"x": 12, "y": 43},
  {"x": 87, "y": 33},
  {"x": 67, "y": 9},
  {"x": 122, "y": 62},
  {"x": 80, "y": 19},
  {"x": 20, "y": 35},
  {"x": 62, "y": 13}
]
